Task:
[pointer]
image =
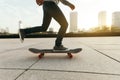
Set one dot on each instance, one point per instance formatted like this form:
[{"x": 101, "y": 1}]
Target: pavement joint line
[
  {"x": 12, "y": 69},
  {"x": 107, "y": 56},
  {"x": 19, "y": 75},
  {"x": 77, "y": 72},
  {"x": 25, "y": 70},
  {"x": 106, "y": 44}
]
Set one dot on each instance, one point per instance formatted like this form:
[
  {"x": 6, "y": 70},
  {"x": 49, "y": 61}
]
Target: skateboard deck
[{"x": 43, "y": 51}]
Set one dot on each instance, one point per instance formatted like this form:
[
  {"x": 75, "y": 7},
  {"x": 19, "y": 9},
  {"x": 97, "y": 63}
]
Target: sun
[{"x": 86, "y": 21}]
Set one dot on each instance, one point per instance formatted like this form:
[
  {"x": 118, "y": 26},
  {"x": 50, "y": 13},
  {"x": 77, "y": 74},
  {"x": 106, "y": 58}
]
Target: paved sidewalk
[{"x": 99, "y": 60}]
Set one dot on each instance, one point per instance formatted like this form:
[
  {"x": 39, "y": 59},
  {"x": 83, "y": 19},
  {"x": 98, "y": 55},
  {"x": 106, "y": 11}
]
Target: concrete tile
[
  {"x": 13, "y": 44},
  {"x": 110, "y": 43},
  {"x": 87, "y": 60},
  {"x": 55, "y": 75},
  {"x": 87, "y": 65},
  {"x": 17, "y": 59},
  {"x": 106, "y": 47},
  {"x": 100, "y": 40},
  {"x": 9, "y": 74}
]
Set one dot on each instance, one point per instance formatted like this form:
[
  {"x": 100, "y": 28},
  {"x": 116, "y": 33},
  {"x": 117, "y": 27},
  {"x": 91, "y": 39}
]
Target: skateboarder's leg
[
  {"x": 55, "y": 12},
  {"x": 60, "y": 18},
  {"x": 46, "y": 21}
]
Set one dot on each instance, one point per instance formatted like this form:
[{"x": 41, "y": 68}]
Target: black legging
[{"x": 50, "y": 10}]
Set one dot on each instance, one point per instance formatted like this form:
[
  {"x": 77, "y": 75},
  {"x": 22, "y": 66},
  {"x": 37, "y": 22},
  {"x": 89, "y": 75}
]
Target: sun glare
[
  {"x": 88, "y": 14},
  {"x": 89, "y": 21},
  {"x": 86, "y": 21}
]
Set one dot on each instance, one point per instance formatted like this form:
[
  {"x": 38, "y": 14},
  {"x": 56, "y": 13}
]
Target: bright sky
[{"x": 11, "y": 11}]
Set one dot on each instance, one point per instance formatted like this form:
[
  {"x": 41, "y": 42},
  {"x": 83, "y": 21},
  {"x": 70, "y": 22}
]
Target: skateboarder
[{"x": 51, "y": 10}]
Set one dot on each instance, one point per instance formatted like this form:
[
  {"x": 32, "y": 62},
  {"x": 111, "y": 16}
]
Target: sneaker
[
  {"x": 21, "y": 35},
  {"x": 61, "y": 47}
]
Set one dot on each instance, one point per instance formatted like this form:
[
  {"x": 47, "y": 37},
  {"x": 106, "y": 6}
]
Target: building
[
  {"x": 73, "y": 22},
  {"x": 116, "y": 21},
  {"x": 102, "y": 18}
]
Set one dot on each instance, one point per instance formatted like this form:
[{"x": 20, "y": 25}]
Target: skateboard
[{"x": 41, "y": 52}]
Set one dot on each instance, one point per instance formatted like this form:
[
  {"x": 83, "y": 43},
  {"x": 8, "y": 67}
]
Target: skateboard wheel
[
  {"x": 41, "y": 55},
  {"x": 70, "y": 55}
]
